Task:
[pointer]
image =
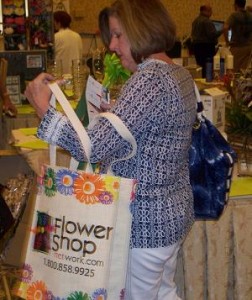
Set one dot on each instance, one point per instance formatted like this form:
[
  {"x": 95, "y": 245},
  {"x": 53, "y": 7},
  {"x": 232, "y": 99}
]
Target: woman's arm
[{"x": 134, "y": 107}]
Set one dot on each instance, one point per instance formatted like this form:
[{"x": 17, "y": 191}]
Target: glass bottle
[
  {"x": 80, "y": 73},
  {"x": 97, "y": 64}
]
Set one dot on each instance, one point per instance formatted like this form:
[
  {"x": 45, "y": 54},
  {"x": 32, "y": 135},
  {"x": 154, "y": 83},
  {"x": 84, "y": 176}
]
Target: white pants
[{"x": 150, "y": 274}]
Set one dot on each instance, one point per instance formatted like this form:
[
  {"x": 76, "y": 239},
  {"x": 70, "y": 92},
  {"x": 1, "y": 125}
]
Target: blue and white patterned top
[{"x": 158, "y": 105}]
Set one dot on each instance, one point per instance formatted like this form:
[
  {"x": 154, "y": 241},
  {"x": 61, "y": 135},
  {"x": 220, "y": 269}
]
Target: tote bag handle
[
  {"x": 121, "y": 129},
  {"x": 82, "y": 134},
  {"x": 76, "y": 123}
]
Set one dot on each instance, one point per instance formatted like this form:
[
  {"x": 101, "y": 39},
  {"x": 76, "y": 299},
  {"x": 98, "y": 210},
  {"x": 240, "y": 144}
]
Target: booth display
[
  {"x": 212, "y": 248},
  {"x": 40, "y": 30},
  {"x": 22, "y": 67},
  {"x": 28, "y": 25},
  {"x": 14, "y": 24}
]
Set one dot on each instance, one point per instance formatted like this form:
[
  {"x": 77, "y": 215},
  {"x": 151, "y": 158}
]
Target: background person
[
  {"x": 240, "y": 24},
  {"x": 158, "y": 105},
  {"x": 68, "y": 43},
  {"x": 204, "y": 37}
]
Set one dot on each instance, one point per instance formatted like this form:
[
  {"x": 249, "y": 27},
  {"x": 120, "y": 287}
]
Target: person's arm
[
  {"x": 225, "y": 33},
  {"x": 211, "y": 32},
  {"x": 134, "y": 108},
  {"x": 227, "y": 26}
]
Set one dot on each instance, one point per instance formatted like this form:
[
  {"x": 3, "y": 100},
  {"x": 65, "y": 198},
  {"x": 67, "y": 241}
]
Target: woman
[{"x": 158, "y": 105}]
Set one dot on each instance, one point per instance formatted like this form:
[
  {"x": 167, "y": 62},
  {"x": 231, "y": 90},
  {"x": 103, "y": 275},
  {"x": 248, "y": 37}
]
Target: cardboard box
[
  {"x": 195, "y": 71},
  {"x": 214, "y": 106}
]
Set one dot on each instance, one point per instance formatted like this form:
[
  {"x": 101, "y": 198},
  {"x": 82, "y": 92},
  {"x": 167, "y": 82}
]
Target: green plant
[
  {"x": 115, "y": 73},
  {"x": 239, "y": 119}
]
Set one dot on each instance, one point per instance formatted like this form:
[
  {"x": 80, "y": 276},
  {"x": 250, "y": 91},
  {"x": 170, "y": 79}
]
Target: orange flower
[
  {"x": 88, "y": 187},
  {"x": 37, "y": 291}
]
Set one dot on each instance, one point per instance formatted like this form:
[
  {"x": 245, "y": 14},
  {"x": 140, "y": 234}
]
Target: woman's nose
[{"x": 112, "y": 45}]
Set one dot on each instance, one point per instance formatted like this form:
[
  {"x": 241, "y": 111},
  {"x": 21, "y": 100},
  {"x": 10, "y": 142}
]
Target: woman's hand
[
  {"x": 104, "y": 106},
  {"x": 39, "y": 94}
]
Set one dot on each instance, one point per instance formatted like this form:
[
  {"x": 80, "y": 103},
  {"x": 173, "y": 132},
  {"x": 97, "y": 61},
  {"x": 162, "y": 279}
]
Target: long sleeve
[
  {"x": 158, "y": 105},
  {"x": 152, "y": 108}
]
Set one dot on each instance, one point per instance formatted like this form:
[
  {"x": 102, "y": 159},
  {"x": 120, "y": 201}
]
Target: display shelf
[
  {"x": 8, "y": 152},
  {"x": 14, "y": 24},
  {"x": 41, "y": 33},
  {"x": 27, "y": 25}
]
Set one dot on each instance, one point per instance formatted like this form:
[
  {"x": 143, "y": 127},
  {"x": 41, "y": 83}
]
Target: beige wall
[{"x": 85, "y": 13}]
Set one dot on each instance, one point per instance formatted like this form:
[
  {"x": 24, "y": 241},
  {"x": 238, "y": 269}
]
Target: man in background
[
  {"x": 240, "y": 24},
  {"x": 204, "y": 37},
  {"x": 68, "y": 43}
]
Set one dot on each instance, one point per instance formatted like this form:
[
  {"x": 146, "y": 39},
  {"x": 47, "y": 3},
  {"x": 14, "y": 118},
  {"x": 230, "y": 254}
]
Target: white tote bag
[{"x": 79, "y": 239}]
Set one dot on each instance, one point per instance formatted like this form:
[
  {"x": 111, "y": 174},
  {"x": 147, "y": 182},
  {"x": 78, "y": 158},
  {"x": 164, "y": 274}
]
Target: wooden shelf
[{"x": 11, "y": 152}]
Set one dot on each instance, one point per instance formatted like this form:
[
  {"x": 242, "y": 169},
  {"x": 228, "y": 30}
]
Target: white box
[{"x": 214, "y": 106}]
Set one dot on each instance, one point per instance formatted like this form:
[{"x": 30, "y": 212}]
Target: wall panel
[{"x": 85, "y": 13}]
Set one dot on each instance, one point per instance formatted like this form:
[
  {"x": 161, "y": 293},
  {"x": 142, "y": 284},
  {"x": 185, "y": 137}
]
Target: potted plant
[
  {"x": 239, "y": 122},
  {"x": 114, "y": 74}
]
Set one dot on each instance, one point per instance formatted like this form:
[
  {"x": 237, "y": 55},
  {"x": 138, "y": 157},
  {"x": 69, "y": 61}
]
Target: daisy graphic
[
  {"x": 27, "y": 273},
  {"x": 78, "y": 296},
  {"x": 50, "y": 185},
  {"x": 113, "y": 186},
  {"x": 37, "y": 291},
  {"x": 65, "y": 181},
  {"x": 122, "y": 294},
  {"x": 106, "y": 197},
  {"x": 88, "y": 187},
  {"x": 99, "y": 294},
  {"x": 133, "y": 192}
]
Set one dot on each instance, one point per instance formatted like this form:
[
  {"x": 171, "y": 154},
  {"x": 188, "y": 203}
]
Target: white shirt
[{"x": 68, "y": 46}]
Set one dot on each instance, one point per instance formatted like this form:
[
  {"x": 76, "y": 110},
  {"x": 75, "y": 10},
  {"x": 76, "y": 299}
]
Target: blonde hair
[{"x": 147, "y": 24}]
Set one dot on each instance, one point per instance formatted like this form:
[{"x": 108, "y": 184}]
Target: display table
[
  {"x": 26, "y": 118},
  {"x": 216, "y": 259}
]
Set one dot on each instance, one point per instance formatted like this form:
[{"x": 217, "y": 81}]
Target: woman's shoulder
[
  {"x": 153, "y": 69},
  {"x": 155, "y": 65}
]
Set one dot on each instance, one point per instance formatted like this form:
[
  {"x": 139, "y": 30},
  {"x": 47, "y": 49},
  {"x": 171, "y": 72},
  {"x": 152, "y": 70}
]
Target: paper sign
[{"x": 94, "y": 92}]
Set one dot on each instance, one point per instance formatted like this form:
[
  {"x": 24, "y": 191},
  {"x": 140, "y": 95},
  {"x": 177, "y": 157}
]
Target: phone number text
[{"x": 69, "y": 268}]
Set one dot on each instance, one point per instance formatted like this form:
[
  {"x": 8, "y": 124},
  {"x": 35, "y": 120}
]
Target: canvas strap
[
  {"x": 116, "y": 122},
  {"x": 122, "y": 130}
]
